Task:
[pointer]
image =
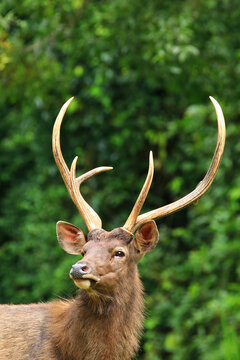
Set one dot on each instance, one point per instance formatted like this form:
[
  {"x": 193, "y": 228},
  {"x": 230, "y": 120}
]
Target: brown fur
[
  {"x": 90, "y": 328},
  {"x": 24, "y": 332},
  {"x": 103, "y": 322}
]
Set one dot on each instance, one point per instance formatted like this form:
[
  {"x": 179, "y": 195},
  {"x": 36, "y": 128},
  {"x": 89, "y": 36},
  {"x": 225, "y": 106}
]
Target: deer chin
[
  {"x": 82, "y": 284},
  {"x": 86, "y": 282}
]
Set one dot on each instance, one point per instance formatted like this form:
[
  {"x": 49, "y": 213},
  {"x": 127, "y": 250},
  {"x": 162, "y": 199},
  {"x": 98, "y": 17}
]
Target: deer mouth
[{"x": 86, "y": 281}]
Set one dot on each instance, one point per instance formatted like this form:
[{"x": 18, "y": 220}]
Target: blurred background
[{"x": 141, "y": 74}]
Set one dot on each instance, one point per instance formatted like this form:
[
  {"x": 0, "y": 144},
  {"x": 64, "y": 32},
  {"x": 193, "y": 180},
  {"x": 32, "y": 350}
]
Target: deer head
[{"x": 109, "y": 257}]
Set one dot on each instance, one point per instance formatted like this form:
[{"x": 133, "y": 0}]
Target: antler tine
[
  {"x": 72, "y": 183},
  {"x": 203, "y": 186},
  {"x": 129, "y": 224},
  {"x": 90, "y": 173},
  {"x": 90, "y": 217}
]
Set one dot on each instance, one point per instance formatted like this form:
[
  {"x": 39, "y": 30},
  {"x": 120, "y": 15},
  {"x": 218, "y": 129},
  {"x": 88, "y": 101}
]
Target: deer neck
[{"x": 100, "y": 327}]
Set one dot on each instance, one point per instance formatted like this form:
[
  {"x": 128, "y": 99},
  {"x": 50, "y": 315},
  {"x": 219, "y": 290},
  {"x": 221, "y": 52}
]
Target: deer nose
[{"x": 78, "y": 270}]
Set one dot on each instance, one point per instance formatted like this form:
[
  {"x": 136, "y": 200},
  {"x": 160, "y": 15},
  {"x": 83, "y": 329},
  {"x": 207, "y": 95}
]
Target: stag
[{"x": 104, "y": 320}]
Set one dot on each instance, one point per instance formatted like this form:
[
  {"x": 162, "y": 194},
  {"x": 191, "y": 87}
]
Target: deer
[{"x": 105, "y": 319}]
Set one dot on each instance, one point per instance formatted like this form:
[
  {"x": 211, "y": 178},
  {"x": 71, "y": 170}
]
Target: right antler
[
  {"x": 134, "y": 219},
  {"x": 90, "y": 217}
]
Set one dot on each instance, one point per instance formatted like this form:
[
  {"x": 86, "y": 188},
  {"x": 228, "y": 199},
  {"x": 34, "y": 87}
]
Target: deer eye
[{"x": 119, "y": 253}]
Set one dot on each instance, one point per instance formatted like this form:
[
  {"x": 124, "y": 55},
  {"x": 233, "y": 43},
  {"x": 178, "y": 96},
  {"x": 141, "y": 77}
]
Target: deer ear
[
  {"x": 146, "y": 237},
  {"x": 70, "y": 237}
]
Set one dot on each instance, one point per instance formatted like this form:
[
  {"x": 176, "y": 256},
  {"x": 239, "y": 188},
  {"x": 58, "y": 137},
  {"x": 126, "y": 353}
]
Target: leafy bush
[{"x": 141, "y": 74}]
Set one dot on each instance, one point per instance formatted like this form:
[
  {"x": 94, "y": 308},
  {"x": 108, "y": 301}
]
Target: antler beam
[
  {"x": 202, "y": 187},
  {"x": 90, "y": 217}
]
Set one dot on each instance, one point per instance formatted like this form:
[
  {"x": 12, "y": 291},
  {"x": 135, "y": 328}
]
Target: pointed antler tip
[
  {"x": 74, "y": 164},
  {"x": 151, "y": 157},
  {"x": 68, "y": 102},
  {"x": 103, "y": 168},
  {"x": 64, "y": 108},
  {"x": 217, "y": 107},
  {"x": 214, "y": 101}
]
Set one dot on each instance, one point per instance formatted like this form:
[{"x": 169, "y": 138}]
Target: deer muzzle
[{"x": 82, "y": 277}]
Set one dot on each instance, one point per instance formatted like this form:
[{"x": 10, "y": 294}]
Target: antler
[
  {"x": 90, "y": 217},
  {"x": 134, "y": 220},
  {"x": 129, "y": 224}
]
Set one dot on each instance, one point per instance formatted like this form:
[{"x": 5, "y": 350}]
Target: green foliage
[{"x": 141, "y": 74}]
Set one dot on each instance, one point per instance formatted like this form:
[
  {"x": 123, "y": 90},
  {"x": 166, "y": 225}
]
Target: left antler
[
  {"x": 90, "y": 217},
  {"x": 134, "y": 220}
]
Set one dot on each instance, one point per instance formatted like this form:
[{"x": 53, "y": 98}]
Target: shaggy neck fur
[{"x": 100, "y": 327}]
